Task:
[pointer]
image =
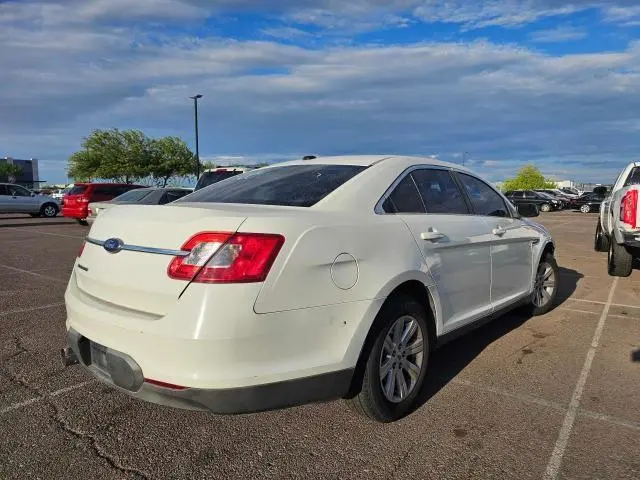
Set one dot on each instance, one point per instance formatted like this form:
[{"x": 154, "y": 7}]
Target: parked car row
[{"x": 549, "y": 200}]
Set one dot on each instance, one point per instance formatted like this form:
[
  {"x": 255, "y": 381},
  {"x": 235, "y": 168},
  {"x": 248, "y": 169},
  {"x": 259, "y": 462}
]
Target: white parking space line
[
  {"x": 608, "y": 418},
  {"x": 31, "y": 309},
  {"x": 20, "y": 270},
  {"x": 622, "y": 305},
  {"x": 31, "y": 401},
  {"x": 555, "y": 462}
]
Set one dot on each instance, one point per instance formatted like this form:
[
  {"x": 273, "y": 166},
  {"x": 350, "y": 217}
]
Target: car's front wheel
[
  {"x": 585, "y": 208},
  {"x": 396, "y": 363},
  {"x": 545, "y": 207},
  {"x": 545, "y": 287},
  {"x": 601, "y": 241}
]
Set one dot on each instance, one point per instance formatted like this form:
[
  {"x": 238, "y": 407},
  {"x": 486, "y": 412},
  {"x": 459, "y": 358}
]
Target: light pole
[{"x": 195, "y": 108}]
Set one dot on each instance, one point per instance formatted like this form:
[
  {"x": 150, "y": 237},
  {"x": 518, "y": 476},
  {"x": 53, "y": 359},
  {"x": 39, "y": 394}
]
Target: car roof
[{"x": 368, "y": 160}]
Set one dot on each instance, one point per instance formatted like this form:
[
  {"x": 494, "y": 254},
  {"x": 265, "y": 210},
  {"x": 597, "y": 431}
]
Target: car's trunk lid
[{"x": 136, "y": 276}]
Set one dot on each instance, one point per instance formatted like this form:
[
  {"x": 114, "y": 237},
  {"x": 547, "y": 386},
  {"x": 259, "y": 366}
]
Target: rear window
[
  {"x": 293, "y": 185},
  {"x": 133, "y": 195},
  {"x": 77, "y": 190},
  {"x": 209, "y": 178}
]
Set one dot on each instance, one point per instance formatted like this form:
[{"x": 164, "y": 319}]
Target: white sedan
[{"x": 304, "y": 281}]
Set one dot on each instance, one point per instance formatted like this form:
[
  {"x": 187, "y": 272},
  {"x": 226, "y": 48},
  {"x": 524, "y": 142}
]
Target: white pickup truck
[{"x": 618, "y": 230}]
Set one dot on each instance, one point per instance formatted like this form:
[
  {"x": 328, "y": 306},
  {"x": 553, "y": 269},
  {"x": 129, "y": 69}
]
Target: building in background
[{"x": 29, "y": 176}]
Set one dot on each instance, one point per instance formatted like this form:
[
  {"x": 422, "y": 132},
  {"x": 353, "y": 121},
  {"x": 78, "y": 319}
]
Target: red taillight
[
  {"x": 84, "y": 242},
  {"x": 629, "y": 208},
  {"x": 227, "y": 258},
  {"x": 158, "y": 383}
]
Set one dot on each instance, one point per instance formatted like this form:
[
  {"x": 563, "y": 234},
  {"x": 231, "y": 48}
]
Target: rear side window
[
  {"x": 292, "y": 185},
  {"x": 484, "y": 199},
  {"x": 405, "y": 198},
  {"x": 633, "y": 178},
  {"x": 439, "y": 192},
  {"x": 172, "y": 196},
  {"x": 78, "y": 190},
  {"x": 133, "y": 195}
]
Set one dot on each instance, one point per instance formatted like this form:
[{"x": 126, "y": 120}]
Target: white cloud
[{"x": 559, "y": 34}]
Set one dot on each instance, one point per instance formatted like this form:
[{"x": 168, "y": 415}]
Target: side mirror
[{"x": 528, "y": 210}]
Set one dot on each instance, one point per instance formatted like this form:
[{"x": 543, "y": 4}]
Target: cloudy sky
[{"x": 509, "y": 81}]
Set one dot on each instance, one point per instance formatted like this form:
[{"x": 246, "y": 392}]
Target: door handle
[
  {"x": 432, "y": 235},
  {"x": 499, "y": 231}
]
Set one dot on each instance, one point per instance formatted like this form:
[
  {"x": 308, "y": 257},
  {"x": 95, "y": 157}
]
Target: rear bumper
[
  {"x": 228, "y": 358},
  {"x": 75, "y": 212},
  {"x": 126, "y": 375}
]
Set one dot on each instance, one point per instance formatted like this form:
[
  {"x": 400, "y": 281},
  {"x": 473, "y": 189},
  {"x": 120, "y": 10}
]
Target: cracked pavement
[{"x": 494, "y": 404}]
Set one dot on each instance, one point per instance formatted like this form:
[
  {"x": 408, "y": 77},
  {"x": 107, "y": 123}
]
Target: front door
[
  {"x": 455, "y": 244},
  {"x": 23, "y": 200},
  {"x": 511, "y": 245}
]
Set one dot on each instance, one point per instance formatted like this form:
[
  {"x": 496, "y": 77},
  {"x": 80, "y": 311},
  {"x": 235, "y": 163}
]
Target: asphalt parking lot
[{"x": 556, "y": 396}]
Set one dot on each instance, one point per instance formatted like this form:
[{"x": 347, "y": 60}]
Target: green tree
[
  {"x": 9, "y": 170},
  {"x": 528, "y": 178},
  {"x": 120, "y": 155},
  {"x": 170, "y": 157}
]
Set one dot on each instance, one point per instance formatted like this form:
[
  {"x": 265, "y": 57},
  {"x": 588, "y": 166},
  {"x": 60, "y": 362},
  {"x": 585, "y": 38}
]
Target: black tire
[
  {"x": 49, "y": 210},
  {"x": 84, "y": 223},
  {"x": 545, "y": 207},
  {"x": 369, "y": 399},
  {"x": 620, "y": 261},
  {"x": 534, "y": 308},
  {"x": 601, "y": 241}
]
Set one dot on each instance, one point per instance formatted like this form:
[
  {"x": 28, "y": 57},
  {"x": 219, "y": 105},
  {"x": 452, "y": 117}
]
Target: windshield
[
  {"x": 293, "y": 185},
  {"x": 133, "y": 195},
  {"x": 209, "y": 178}
]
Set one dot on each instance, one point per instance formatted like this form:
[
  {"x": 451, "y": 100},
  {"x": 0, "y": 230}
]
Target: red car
[{"x": 75, "y": 204}]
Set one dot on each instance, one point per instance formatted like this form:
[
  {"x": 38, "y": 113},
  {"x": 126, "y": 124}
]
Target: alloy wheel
[
  {"x": 544, "y": 286},
  {"x": 49, "y": 211},
  {"x": 401, "y": 359}
]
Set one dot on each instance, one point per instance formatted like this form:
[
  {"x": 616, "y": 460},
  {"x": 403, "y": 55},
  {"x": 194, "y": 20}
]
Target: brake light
[
  {"x": 226, "y": 258},
  {"x": 629, "y": 208}
]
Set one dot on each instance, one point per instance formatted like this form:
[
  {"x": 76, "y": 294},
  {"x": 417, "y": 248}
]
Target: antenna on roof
[{"x": 309, "y": 157}]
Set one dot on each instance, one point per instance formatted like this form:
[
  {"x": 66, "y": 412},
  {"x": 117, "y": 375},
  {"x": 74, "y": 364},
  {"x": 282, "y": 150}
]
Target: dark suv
[
  {"x": 545, "y": 202},
  {"x": 75, "y": 204}
]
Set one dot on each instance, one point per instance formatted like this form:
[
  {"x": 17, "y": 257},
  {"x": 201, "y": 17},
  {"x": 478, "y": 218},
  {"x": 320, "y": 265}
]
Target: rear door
[
  {"x": 454, "y": 243},
  {"x": 511, "y": 242}
]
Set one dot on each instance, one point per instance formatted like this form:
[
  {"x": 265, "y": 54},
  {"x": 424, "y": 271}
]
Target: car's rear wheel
[
  {"x": 620, "y": 261},
  {"x": 601, "y": 241},
  {"x": 545, "y": 207},
  {"x": 585, "y": 208},
  {"x": 396, "y": 363},
  {"x": 49, "y": 210}
]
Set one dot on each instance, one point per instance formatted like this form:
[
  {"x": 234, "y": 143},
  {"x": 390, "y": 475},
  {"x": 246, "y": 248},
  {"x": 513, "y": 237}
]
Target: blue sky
[{"x": 509, "y": 81}]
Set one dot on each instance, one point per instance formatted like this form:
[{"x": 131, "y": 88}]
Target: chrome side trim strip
[{"x": 141, "y": 249}]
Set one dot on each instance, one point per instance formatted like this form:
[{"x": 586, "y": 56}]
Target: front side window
[
  {"x": 405, "y": 198},
  {"x": 133, "y": 195},
  {"x": 440, "y": 192},
  {"x": 292, "y": 185},
  {"x": 484, "y": 199}
]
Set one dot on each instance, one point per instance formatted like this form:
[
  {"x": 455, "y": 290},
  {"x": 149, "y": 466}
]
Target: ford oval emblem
[{"x": 113, "y": 245}]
